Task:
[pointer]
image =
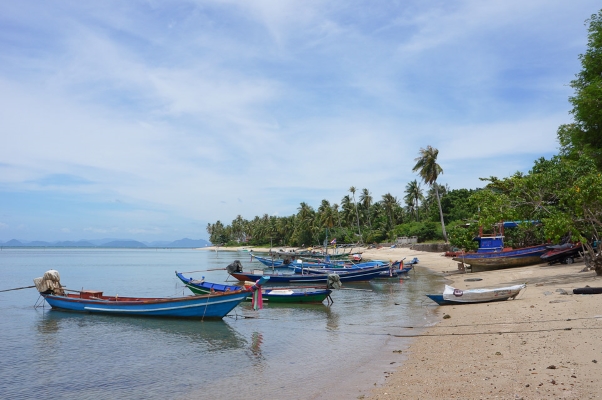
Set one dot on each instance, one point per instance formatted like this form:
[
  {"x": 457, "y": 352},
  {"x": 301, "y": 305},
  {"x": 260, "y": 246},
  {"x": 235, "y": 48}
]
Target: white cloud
[{"x": 219, "y": 108}]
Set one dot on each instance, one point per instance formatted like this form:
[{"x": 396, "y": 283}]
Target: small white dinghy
[{"x": 452, "y": 295}]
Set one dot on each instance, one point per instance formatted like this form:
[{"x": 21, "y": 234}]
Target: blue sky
[{"x": 149, "y": 119}]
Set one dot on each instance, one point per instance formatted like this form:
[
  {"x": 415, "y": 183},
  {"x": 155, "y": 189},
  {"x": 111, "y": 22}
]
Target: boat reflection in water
[{"x": 213, "y": 335}]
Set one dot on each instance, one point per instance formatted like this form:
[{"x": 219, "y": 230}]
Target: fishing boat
[
  {"x": 359, "y": 275},
  {"x": 452, "y": 295},
  {"x": 492, "y": 254},
  {"x": 209, "y": 306},
  {"x": 272, "y": 294},
  {"x": 287, "y": 262},
  {"x": 301, "y": 266},
  {"x": 396, "y": 268}
]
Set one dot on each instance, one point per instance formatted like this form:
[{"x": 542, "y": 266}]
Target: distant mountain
[
  {"x": 124, "y": 243},
  {"x": 110, "y": 243},
  {"x": 189, "y": 243}
]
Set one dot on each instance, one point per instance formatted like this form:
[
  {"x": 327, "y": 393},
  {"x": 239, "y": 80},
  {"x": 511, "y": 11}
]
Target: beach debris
[
  {"x": 552, "y": 367},
  {"x": 446, "y": 316},
  {"x": 397, "y": 351},
  {"x": 595, "y": 361},
  {"x": 561, "y": 291},
  {"x": 497, "y": 353}
]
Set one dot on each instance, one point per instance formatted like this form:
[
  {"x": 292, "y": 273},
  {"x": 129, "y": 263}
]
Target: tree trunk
[
  {"x": 593, "y": 259},
  {"x": 440, "y": 213}
]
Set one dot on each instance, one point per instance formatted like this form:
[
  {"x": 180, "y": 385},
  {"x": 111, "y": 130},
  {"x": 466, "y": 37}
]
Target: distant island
[{"x": 110, "y": 243}]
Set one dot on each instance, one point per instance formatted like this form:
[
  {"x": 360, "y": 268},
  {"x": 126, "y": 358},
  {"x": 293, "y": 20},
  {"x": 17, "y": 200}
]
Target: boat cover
[{"x": 51, "y": 281}]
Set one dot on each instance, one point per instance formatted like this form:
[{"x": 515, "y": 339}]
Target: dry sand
[{"x": 543, "y": 345}]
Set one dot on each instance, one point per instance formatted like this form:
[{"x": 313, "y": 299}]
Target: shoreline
[{"x": 543, "y": 344}]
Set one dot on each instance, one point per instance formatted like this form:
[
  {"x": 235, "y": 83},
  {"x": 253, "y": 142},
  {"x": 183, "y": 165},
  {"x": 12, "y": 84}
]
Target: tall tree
[
  {"x": 366, "y": 201},
  {"x": 389, "y": 203},
  {"x": 429, "y": 171},
  {"x": 335, "y": 208},
  {"x": 584, "y": 135},
  {"x": 414, "y": 195},
  {"x": 352, "y": 190}
]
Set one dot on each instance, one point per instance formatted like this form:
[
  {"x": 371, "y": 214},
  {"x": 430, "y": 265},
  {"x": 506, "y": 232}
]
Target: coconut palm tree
[
  {"x": 366, "y": 202},
  {"x": 335, "y": 208},
  {"x": 429, "y": 171},
  {"x": 414, "y": 195},
  {"x": 389, "y": 202},
  {"x": 352, "y": 190},
  {"x": 347, "y": 210}
]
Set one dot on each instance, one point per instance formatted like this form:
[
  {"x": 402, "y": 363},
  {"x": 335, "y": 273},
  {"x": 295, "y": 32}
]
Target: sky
[{"x": 147, "y": 120}]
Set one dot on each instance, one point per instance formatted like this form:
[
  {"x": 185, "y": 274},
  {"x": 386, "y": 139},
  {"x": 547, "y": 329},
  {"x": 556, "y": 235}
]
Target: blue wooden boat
[
  {"x": 271, "y": 294},
  {"x": 359, "y": 275},
  {"x": 492, "y": 255},
  {"x": 210, "y": 306},
  {"x": 320, "y": 268},
  {"x": 395, "y": 269},
  {"x": 270, "y": 262},
  {"x": 290, "y": 263}
]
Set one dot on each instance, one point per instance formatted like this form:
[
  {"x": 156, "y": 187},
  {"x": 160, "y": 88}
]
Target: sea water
[{"x": 294, "y": 351}]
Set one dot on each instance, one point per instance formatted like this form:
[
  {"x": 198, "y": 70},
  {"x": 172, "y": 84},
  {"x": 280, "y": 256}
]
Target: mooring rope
[{"x": 19, "y": 288}]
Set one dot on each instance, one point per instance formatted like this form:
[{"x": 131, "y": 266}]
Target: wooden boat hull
[
  {"x": 321, "y": 268},
  {"x": 503, "y": 259},
  {"x": 470, "y": 296},
  {"x": 365, "y": 274},
  {"x": 271, "y": 295},
  {"x": 208, "y": 306}
]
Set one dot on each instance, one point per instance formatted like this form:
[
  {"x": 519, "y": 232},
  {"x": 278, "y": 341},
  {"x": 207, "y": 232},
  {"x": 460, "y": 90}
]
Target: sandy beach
[{"x": 543, "y": 344}]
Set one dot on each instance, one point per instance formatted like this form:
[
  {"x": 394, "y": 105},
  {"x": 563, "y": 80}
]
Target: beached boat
[
  {"x": 564, "y": 253},
  {"x": 492, "y": 254},
  {"x": 456, "y": 296},
  {"x": 272, "y": 295},
  {"x": 210, "y": 306},
  {"x": 359, "y": 275}
]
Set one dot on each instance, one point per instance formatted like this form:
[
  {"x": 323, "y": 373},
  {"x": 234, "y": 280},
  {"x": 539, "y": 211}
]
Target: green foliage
[
  {"x": 456, "y": 206},
  {"x": 461, "y": 235},
  {"x": 424, "y": 231},
  {"x": 584, "y": 136}
]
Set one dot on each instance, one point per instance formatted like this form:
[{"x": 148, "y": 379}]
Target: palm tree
[
  {"x": 366, "y": 202},
  {"x": 429, "y": 170},
  {"x": 413, "y": 195},
  {"x": 347, "y": 210},
  {"x": 389, "y": 202},
  {"x": 335, "y": 208},
  {"x": 352, "y": 190}
]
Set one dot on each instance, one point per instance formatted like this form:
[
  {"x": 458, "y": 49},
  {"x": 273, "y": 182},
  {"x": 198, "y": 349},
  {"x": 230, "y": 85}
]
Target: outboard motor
[
  {"x": 235, "y": 266},
  {"x": 334, "y": 281},
  {"x": 50, "y": 283}
]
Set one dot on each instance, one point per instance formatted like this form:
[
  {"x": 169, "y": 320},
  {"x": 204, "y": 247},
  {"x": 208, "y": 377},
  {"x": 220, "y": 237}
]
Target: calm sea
[{"x": 280, "y": 352}]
